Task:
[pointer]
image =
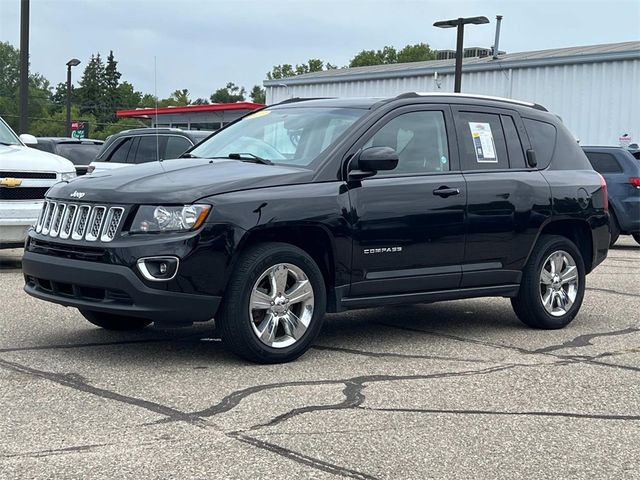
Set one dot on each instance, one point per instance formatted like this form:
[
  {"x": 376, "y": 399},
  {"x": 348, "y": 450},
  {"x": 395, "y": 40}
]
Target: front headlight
[
  {"x": 169, "y": 219},
  {"x": 65, "y": 177}
]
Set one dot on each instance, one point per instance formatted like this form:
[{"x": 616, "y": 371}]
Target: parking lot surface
[{"x": 448, "y": 390}]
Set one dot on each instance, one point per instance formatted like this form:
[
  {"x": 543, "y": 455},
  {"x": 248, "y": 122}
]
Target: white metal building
[{"x": 595, "y": 89}]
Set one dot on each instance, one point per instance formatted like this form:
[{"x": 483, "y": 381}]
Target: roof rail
[
  {"x": 300, "y": 99},
  {"x": 469, "y": 95}
]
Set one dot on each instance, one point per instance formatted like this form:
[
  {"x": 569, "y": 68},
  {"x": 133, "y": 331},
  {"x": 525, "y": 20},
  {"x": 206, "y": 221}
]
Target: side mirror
[
  {"x": 372, "y": 160},
  {"x": 531, "y": 158},
  {"x": 28, "y": 140}
]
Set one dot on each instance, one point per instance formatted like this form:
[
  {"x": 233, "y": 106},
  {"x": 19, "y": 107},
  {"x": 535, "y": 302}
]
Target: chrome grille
[{"x": 79, "y": 222}]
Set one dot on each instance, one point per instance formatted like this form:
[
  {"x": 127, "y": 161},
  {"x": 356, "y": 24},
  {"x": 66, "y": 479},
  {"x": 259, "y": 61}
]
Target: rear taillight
[
  {"x": 635, "y": 181},
  {"x": 605, "y": 193}
]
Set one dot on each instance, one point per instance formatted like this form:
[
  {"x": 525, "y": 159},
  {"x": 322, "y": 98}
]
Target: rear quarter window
[{"x": 543, "y": 137}]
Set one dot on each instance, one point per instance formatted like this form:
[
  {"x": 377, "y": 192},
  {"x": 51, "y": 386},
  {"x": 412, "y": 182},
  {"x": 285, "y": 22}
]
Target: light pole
[
  {"x": 23, "y": 116},
  {"x": 74, "y": 62},
  {"x": 460, "y": 23}
]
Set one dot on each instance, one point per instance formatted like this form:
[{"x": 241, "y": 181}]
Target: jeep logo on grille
[{"x": 77, "y": 194}]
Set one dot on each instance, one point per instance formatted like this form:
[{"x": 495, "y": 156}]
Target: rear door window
[
  {"x": 514, "y": 143},
  {"x": 150, "y": 149},
  {"x": 481, "y": 140},
  {"x": 176, "y": 146},
  {"x": 604, "y": 162}
]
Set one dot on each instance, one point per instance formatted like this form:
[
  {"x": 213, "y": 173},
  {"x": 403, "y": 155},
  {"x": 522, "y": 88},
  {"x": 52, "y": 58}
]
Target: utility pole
[{"x": 23, "y": 109}]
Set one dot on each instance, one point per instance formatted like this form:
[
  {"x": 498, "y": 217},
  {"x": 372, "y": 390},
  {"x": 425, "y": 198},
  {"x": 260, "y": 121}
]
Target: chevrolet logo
[{"x": 10, "y": 182}]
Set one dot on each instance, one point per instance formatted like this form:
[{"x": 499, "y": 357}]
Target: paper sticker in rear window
[{"x": 483, "y": 142}]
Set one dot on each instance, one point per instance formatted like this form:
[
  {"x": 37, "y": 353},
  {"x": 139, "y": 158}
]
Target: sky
[{"x": 201, "y": 45}]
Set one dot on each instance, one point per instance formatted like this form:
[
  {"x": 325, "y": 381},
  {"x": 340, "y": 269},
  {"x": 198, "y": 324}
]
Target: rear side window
[
  {"x": 176, "y": 146},
  {"x": 482, "y": 142},
  {"x": 514, "y": 144},
  {"x": 121, "y": 152},
  {"x": 542, "y": 136},
  {"x": 604, "y": 162}
]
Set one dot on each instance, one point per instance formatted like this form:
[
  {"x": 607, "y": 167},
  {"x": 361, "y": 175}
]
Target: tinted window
[
  {"x": 79, "y": 153},
  {"x": 420, "y": 140},
  {"x": 514, "y": 144},
  {"x": 44, "y": 145},
  {"x": 176, "y": 146},
  {"x": 149, "y": 148},
  {"x": 481, "y": 140},
  {"x": 604, "y": 162},
  {"x": 542, "y": 136},
  {"x": 119, "y": 155}
]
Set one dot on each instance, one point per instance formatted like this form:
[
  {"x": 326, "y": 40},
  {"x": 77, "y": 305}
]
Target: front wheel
[
  {"x": 114, "y": 322},
  {"x": 274, "y": 304},
  {"x": 553, "y": 284}
]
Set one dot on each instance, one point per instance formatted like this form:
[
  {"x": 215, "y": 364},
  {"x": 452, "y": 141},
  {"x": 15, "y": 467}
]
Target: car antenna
[{"x": 155, "y": 94}]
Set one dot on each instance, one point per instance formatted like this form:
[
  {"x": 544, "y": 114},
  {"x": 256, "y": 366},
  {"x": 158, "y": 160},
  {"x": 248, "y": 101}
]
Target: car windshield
[
  {"x": 290, "y": 136},
  {"x": 7, "y": 137}
]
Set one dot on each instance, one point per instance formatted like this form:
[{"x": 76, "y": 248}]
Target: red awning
[{"x": 213, "y": 107}]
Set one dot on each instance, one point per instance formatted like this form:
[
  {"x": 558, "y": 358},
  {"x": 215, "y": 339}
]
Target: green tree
[
  {"x": 281, "y": 71},
  {"x": 286, "y": 70},
  {"x": 200, "y": 101},
  {"x": 258, "y": 94},
  {"x": 229, "y": 94},
  {"x": 128, "y": 97},
  {"x": 180, "y": 97},
  {"x": 420, "y": 52},
  {"x": 111, "y": 96},
  {"x": 91, "y": 93},
  {"x": 374, "y": 57}
]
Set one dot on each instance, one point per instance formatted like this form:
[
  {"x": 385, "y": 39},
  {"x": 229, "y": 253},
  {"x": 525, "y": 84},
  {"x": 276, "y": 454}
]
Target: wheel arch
[
  {"x": 314, "y": 239},
  {"x": 576, "y": 230}
]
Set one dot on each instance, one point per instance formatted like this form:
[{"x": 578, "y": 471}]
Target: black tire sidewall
[
  {"x": 614, "y": 228},
  {"x": 543, "y": 319},
  {"x": 236, "y": 303}
]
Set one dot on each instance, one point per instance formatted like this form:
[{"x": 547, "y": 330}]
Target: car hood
[
  {"x": 17, "y": 158},
  {"x": 176, "y": 181}
]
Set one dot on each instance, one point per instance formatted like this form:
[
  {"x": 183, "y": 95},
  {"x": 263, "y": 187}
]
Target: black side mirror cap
[
  {"x": 371, "y": 160},
  {"x": 531, "y": 158}
]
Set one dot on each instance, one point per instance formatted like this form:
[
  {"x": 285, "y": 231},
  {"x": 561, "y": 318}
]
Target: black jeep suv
[{"x": 322, "y": 205}]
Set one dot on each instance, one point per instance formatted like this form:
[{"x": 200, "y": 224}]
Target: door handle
[{"x": 445, "y": 191}]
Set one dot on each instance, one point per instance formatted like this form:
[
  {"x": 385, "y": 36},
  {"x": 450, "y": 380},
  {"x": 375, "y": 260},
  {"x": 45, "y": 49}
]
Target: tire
[
  {"x": 528, "y": 304},
  {"x": 614, "y": 228},
  {"x": 288, "y": 325},
  {"x": 636, "y": 237},
  {"x": 114, "y": 322}
]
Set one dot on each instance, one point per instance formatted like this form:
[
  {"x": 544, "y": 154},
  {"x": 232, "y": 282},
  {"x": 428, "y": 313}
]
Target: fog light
[{"x": 158, "y": 269}]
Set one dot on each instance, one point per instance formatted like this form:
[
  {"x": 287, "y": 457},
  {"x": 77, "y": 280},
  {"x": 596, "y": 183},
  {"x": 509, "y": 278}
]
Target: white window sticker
[{"x": 483, "y": 142}]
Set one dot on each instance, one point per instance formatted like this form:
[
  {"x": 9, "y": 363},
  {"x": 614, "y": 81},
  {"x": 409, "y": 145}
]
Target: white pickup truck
[{"x": 25, "y": 175}]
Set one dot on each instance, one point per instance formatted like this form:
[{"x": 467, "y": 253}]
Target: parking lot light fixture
[
  {"x": 74, "y": 62},
  {"x": 460, "y": 23}
]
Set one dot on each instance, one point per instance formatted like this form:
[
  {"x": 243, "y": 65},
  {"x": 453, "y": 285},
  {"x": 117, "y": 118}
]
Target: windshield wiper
[
  {"x": 7, "y": 144},
  {"x": 188, "y": 155},
  {"x": 250, "y": 157}
]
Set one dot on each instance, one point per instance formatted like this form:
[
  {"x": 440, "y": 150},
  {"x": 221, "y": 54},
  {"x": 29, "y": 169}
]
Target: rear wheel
[
  {"x": 615, "y": 228},
  {"x": 274, "y": 304},
  {"x": 114, "y": 322},
  {"x": 553, "y": 284}
]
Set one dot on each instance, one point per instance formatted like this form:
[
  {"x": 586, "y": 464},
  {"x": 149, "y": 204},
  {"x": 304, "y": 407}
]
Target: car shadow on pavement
[{"x": 199, "y": 344}]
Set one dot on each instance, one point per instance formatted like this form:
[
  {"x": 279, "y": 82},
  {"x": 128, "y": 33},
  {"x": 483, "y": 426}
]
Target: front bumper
[
  {"x": 15, "y": 220},
  {"x": 112, "y": 289}
]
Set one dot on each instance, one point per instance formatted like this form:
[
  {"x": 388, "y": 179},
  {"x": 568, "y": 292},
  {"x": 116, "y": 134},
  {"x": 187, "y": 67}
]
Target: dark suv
[
  {"x": 141, "y": 145},
  {"x": 314, "y": 206},
  {"x": 621, "y": 170},
  {"x": 81, "y": 152}
]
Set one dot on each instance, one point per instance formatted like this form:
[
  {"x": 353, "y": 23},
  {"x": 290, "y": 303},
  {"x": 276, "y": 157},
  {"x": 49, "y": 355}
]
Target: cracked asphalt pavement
[{"x": 448, "y": 390}]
